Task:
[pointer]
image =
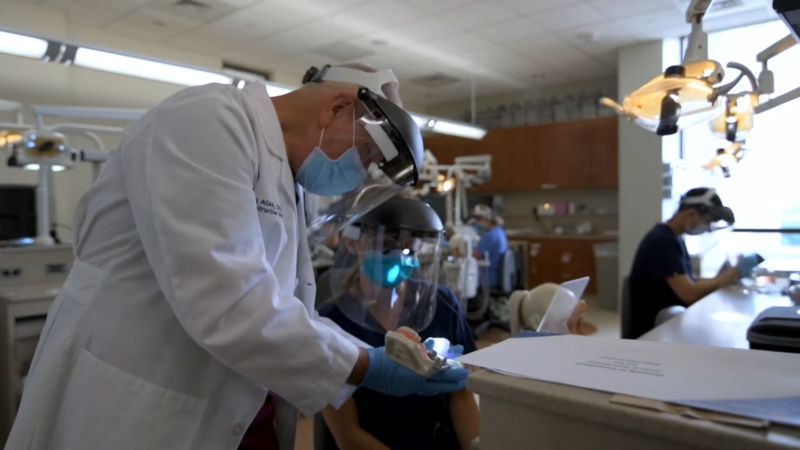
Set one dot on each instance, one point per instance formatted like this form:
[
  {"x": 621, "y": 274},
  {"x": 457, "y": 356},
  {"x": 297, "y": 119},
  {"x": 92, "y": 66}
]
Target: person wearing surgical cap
[{"x": 493, "y": 242}]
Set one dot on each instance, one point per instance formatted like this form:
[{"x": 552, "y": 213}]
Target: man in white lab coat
[{"x": 192, "y": 292}]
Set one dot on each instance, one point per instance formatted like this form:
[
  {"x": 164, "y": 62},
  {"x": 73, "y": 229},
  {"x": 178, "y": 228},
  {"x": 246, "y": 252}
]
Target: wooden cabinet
[
  {"x": 577, "y": 154},
  {"x": 556, "y": 260}
]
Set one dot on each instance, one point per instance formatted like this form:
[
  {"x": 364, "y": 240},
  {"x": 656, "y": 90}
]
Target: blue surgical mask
[
  {"x": 389, "y": 270},
  {"x": 478, "y": 227},
  {"x": 321, "y": 175}
]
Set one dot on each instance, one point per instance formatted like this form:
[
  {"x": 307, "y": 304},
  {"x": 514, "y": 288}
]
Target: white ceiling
[{"x": 504, "y": 45}]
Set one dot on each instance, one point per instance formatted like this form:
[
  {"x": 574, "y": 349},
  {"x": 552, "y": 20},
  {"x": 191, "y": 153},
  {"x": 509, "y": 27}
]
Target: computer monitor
[{"x": 17, "y": 212}]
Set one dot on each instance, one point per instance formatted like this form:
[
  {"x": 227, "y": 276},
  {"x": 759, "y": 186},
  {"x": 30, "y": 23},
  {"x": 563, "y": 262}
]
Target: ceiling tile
[
  {"x": 569, "y": 17},
  {"x": 425, "y": 29},
  {"x": 482, "y": 14},
  {"x": 406, "y": 71},
  {"x": 655, "y": 24},
  {"x": 604, "y": 38},
  {"x": 238, "y": 4},
  {"x": 618, "y": 9},
  {"x": 435, "y": 6},
  {"x": 545, "y": 44},
  {"x": 456, "y": 45},
  {"x": 150, "y": 25},
  {"x": 338, "y": 4},
  {"x": 583, "y": 70},
  {"x": 199, "y": 11},
  {"x": 262, "y": 19},
  {"x": 93, "y": 13},
  {"x": 303, "y": 37},
  {"x": 510, "y": 31},
  {"x": 241, "y": 26},
  {"x": 376, "y": 15},
  {"x": 527, "y": 7}
]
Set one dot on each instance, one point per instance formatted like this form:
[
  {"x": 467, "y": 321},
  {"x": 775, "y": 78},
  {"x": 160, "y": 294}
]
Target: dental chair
[
  {"x": 626, "y": 310},
  {"x": 508, "y": 283}
]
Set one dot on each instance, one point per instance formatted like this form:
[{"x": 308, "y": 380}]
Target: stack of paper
[{"x": 750, "y": 383}]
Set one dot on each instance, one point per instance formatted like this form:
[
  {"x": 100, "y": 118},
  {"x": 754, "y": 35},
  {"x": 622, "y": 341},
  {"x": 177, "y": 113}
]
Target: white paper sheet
[{"x": 656, "y": 370}]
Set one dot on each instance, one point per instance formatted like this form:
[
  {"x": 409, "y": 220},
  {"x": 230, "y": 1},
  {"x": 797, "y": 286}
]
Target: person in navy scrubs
[
  {"x": 385, "y": 277},
  {"x": 493, "y": 242},
  {"x": 662, "y": 277}
]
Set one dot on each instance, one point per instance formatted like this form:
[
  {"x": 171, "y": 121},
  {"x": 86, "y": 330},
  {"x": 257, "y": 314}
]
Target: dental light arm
[
  {"x": 766, "y": 79},
  {"x": 697, "y": 48}
]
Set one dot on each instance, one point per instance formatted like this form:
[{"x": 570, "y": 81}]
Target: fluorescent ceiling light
[
  {"x": 458, "y": 129},
  {"x": 19, "y": 45},
  {"x": 142, "y": 68},
  {"x": 421, "y": 121}
]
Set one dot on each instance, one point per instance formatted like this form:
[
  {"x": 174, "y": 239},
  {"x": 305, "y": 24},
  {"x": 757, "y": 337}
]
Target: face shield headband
[{"x": 722, "y": 216}]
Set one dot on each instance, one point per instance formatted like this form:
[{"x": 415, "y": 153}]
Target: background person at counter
[
  {"x": 661, "y": 276},
  {"x": 493, "y": 240}
]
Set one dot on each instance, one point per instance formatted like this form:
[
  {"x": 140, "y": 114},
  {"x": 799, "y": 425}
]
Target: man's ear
[{"x": 339, "y": 105}]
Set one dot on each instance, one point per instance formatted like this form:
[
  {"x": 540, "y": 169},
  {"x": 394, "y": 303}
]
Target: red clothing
[{"x": 260, "y": 435}]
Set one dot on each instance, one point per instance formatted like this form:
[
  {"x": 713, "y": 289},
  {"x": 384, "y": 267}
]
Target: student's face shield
[
  {"x": 714, "y": 217},
  {"x": 389, "y": 145},
  {"x": 384, "y": 278}
]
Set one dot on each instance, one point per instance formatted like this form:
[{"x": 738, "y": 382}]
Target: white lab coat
[{"x": 192, "y": 293}]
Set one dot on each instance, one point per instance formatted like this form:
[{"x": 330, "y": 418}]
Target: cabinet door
[
  {"x": 526, "y": 161},
  {"x": 495, "y": 145},
  {"x": 440, "y": 146},
  {"x": 568, "y": 155},
  {"x": 604, "y": 157},
  {"x": 537, "y": 262}
]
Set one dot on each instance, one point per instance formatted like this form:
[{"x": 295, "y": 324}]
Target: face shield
[
  {"x": 388, "y": 147},
  {"x": 385, "y": 276},
  {"x": 721, "y": 217}
]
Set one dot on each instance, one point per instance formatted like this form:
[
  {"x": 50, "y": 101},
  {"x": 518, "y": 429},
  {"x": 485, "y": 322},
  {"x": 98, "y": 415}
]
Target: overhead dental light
[
  {"x": 37, "y": 149},
  {"x": 61, "y": 53},
  {"x": 725, "y": 158},
  {"x": 689, "y": 94}
]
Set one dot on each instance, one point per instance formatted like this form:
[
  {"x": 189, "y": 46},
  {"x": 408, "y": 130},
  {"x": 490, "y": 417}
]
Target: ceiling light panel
[
  {"x": 528, "y": 7},
  {"x": 478, "y": 15}
]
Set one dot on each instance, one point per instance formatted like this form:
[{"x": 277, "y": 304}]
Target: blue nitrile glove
[
  {"x": 455, "y": 351},
  {"x": 388, "y": 377},
  {"x": 747, "y": 264}
]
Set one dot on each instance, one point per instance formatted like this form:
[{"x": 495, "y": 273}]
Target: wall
[
  {"x": 640, "y": 151},
  {"x": 456, "y": 110}
]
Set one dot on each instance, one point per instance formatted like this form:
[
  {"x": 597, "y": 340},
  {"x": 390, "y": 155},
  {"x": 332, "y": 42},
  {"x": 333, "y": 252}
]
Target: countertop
[
  {"x": 595, "y": 406},
  {"x": 720, "y": 319}
]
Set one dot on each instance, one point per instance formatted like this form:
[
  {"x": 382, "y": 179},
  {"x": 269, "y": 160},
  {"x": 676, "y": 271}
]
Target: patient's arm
[
  {"x": 464, "y": 413},
  {"x": 343, "y": 423}
]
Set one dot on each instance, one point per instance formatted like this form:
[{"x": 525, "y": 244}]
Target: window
[{"x": 763, "y": 188}]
